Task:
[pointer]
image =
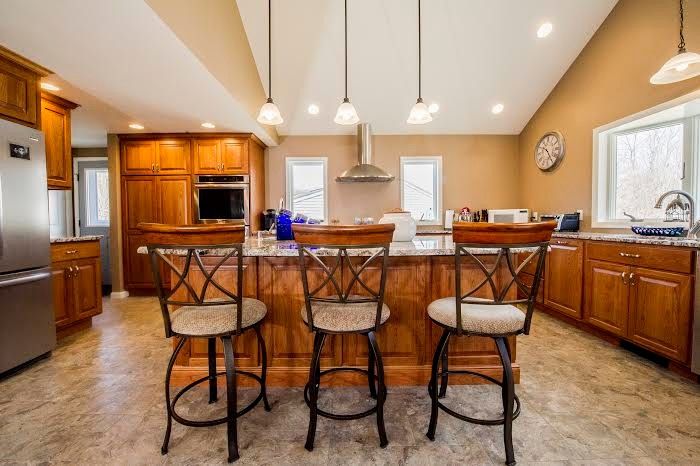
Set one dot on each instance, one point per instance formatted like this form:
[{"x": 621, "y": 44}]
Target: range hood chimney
[{"x": 364, "y": 171}]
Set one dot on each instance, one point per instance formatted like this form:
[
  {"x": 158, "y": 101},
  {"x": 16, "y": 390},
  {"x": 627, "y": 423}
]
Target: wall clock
[{"x": 549, "y": 151}]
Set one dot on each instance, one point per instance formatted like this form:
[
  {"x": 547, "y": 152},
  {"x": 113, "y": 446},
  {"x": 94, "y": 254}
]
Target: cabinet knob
[
  {"x": 632, "y": 282},
  {"x": 624, "y": 278},
  {"x": 72, "y": 251},
  {"x": 564, "y": 243},
  {"x": 157, "y": 168},
  {"x": 633, "y": 256},
  {"x": 153, "y": 167}
]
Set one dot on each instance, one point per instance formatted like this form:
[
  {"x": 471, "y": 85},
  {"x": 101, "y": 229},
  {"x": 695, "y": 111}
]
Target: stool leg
[
  {"x": 445, "y": 366},
  {"x": 314, "y": 383},
  {"x": 168, "y": 406},
  {"x": 370, "y": 369},
  {"x": 231, "y": 402},
  {"x": 508, "y": 398},
  {"x": 433, "y": 388},
  {"x": 211, "y": 354},
  {"x": 263, "y": 376},
  {"x": 381, "y": 389}
]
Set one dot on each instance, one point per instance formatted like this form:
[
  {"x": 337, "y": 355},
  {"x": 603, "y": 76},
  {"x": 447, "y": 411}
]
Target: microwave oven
[{"x": 509, "y": 215}]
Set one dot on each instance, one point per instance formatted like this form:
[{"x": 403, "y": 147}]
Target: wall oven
[{"x": 222, "y": 199}]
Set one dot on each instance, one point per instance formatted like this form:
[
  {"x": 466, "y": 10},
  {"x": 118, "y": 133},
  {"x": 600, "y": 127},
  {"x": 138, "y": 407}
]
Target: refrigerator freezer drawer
[{"x": 27, "y": 328}]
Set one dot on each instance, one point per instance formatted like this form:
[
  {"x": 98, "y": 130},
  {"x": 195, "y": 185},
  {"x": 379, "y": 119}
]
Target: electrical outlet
[{"x": 580, "y": 213}]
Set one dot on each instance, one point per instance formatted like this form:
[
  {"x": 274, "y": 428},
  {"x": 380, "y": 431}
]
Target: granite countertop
[
  {"x": 440, "y": 245},
  {"x": 631, "y": 238},
  {"x": 76, "y": 239}
]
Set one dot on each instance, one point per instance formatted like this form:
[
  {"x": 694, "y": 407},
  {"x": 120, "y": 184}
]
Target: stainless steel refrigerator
[{"x": 27, "y": 328}]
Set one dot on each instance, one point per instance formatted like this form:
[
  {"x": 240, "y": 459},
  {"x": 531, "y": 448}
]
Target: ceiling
[{"x": 476, "y": 53}]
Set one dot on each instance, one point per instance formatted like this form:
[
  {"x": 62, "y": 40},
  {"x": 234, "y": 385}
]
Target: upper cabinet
[
  {"x": 220, "y": 156},
  {"x": 55, "y": 123},
  {"x": 19, "y": 89},
  {"x": 161, "y": 157}
]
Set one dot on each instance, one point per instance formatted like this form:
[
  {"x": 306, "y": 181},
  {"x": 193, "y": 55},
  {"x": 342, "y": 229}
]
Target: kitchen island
[{"x": 419, "y": 272}]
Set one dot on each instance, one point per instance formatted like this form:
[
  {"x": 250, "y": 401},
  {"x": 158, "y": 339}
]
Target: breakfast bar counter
[{"x": 419, "y": 272}]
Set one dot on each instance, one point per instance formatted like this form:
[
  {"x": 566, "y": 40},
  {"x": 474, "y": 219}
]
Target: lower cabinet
[
  {"x": 564, "y": 277},
  {"x": 607, "y": 296},
  {"x": 76, "y": 285}
]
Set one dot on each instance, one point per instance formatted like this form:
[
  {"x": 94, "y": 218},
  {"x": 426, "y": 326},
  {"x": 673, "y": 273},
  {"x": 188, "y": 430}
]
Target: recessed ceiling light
[
  {"x": 313, "y": 109},
  {"x": 434, "y": 107},
  {"x": 208, "y": 125},
  {"x": 50, "y": 87},
  {"x": 544, "y": 30},
  {"x": 135, "y": 126},
  {"x": 496, "y": 109}
]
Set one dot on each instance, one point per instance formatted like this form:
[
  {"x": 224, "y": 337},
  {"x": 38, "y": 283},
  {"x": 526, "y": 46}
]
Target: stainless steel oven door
[{"x": 222, "y": 203}]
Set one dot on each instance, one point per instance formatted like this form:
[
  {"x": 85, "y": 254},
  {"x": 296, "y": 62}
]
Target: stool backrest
[
  {"x": 532, "y": 237},
  {"x": 343, "y": 238},
  {"x": 193, "y": 242}
]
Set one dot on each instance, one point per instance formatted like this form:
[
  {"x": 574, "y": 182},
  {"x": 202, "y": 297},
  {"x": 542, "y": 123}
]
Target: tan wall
[
  {"x": 478, "y": 171},
  {"x": 89, "y": 152},
  {"x": 609, "y": 80},
  {"x": 115, "y": 214}
]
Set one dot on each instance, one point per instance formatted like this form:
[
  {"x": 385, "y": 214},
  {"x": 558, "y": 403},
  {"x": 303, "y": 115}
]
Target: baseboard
[{"x": 119, "y": 294}]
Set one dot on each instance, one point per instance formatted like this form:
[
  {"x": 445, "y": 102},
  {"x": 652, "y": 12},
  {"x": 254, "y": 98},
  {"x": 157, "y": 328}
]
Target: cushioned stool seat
[
  {"x": 216, "y": 320},
  {"x": 488, "y": 319},
  {"x": 349, "y": 317}
]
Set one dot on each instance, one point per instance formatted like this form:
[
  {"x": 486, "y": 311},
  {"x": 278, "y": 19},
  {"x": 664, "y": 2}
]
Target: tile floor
[{"x": 98, "y": 400}]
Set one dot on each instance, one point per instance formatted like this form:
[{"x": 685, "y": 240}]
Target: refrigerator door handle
[{"x": 24, "y": 279}]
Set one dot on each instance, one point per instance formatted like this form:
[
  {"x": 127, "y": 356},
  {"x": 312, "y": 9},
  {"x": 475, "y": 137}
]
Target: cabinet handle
[
  {"x": 70, "y": 271},
  {"x": 632, "y": 282},
  {"x": 624, "y": 276},
  {"x": 157, "y": 168},
  {"x": 564, "y": 243},
  {"x": 633, "y": 256},
  {"x": 72, "y": 251},
  {"x": 153, "y": 167}
]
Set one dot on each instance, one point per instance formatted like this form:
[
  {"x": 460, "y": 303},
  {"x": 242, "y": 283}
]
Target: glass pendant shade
[
  {"x": 420, "y": 114},
  {"x": 270, "y": 114},
  {"x": 683, "y": 66},
  {"x": 346, "y": 114}
]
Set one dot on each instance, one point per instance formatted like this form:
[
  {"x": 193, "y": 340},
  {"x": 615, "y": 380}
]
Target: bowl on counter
[{"x": 658, "y": 231}]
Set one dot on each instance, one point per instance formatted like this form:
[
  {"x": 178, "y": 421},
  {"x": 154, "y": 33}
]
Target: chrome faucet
[{"x": 693, "y": 226}]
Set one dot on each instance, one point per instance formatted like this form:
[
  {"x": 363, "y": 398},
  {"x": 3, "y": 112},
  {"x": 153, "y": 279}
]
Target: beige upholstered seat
[
  {"x": 216, "y": 320},
  {"x": 350, "y": 317},
  {"x": 487, "y": 319}
]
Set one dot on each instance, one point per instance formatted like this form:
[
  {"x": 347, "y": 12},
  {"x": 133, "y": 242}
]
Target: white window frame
[
  {"x": 437, "y": 202},
  {"x": 604, "y": 150},
  {"x": 289, "y": 163}
]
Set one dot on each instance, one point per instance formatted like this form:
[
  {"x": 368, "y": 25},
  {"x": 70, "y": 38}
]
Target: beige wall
[
  {"x": 478, "y": 171},
  {"x": 609, "y": 80}
]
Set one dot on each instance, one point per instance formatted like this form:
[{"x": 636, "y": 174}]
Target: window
[
  {"x": 307, "y": 192},
  {"x": 97, "y": 197},
  {"x": 421, "y": 188}
]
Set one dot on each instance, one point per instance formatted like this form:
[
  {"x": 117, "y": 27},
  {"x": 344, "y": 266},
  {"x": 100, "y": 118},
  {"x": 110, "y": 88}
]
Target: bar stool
[
  {"x": 497, "y": 318},
  {"x": 207, "y": 310},
  {"x": 344, "y": 313}
]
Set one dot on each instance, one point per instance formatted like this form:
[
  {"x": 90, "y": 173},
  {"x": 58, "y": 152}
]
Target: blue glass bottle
[{"x": 284, "y": 225}]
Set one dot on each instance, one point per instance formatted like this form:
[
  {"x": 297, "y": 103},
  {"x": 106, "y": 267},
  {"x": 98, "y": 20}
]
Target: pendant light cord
[
  {"x": 269, "y": 50},
  {"x": 420, "y": 61},
  {"x": 681, "y": 44},
  {"x": 346, "y": 50}
]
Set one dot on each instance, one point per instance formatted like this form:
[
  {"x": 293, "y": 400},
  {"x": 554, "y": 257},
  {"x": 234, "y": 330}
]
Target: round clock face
[{"x": 549, "y": 151}]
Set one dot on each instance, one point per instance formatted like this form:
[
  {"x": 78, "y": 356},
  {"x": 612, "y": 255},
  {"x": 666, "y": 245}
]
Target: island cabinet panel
[
  {"x": 660, "y": 312},
  {"x": 402, "y": 339},
  {"x": 564, "y": 277},
  {"x": 607, "y": 296},
  {"x": 289, "y": 341}
]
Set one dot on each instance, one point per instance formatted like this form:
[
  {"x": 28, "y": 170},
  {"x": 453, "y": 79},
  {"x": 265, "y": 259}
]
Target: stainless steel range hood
[{"x": 364, "y": 171}]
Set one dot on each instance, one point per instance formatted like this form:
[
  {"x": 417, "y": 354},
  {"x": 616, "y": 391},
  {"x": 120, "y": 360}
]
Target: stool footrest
[{"x": 341, "y": 417}]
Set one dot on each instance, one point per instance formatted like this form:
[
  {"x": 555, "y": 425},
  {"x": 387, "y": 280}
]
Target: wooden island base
[{"x": 407, "y": 341}]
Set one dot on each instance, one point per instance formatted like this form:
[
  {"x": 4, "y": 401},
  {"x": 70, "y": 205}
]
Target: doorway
[{"x": 91, "y": 198}]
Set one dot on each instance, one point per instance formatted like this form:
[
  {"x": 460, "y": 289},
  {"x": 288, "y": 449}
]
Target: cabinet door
[
  {"x": 173, "y": 157},
  {"x": 234, "y": 156},
  {"x": 139, "y": 201},
  {"x": 206, "y": 156},
  {"x": 660, "y": 310},
  {"x": 19, "y": 89},
  {"x": 138, "y": 157},
  {"x": 87, "y": 283},
  {"x": 55, "y": 122},
  {"x": 62, "y": 293},
  {"x": 607, "y": 296},
  {"x": 137, "y": 267},
  {"x": 174, "y": 205},
  {"x": 564, "y": 277}
]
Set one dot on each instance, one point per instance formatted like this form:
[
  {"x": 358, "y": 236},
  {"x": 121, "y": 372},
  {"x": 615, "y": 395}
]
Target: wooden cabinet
[
  {"x": 55, "y": 123},
  {"x": 20, "y": 96},
  {"x": 76, "y": 284},
  {"x": 206, "y": 156},
  {"x": 607, "y": 296},
  {"x": 160, "y": 157},
  {"x": 234, "y": 156},
  {"x": 173, "y": 157},
  {"x": 220, "y": 156},
  {"x": 138, "y": 157},
  {"x": 563, "y": 285}
]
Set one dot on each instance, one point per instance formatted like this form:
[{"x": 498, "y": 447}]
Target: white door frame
[{"x": 76, "y": 194}]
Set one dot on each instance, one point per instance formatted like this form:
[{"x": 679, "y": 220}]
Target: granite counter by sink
[
  {"x": 631, "y": 238},
  {"x": 76, "y": 239}
]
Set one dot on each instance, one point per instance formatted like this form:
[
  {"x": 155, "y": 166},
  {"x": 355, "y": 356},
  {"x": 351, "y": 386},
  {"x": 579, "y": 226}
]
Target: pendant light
[
  {"x": 346, "y": 114},
  {"x": 683, "y": 66},
  {"x": 420, "y": 114},
  {"x": 269, "y": 113}
]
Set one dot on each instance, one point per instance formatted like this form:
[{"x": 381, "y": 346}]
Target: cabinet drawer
[
  {"x": 71, "y": 251},
  {"x": 655, "y": 257}
]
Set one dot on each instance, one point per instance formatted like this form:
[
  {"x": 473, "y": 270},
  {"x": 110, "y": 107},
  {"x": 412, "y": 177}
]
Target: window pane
[
  {"x": 308, "y": 188},
  {"x": 97, "y": 197},
  {"x": 419, "y": 189},
  {"x": 647, "y": 163}
]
